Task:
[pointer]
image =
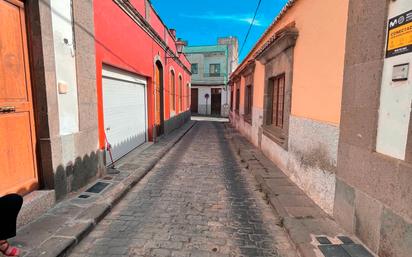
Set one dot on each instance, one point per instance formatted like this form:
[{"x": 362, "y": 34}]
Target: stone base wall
[
  {"x": 250, "y": 130},
  {"x": 311, "y": 158},
  {"x": 384, "y": 231},
  {"x": 177, "y": 121},
  {"x": 313, "y": 147},
  {"x": 202, "y": 110},
  {"x": 78, "y": 161},
  {"x": 78, "y": 173}
]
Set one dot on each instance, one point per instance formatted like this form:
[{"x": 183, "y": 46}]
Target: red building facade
[{"x": 132, "y": 40}]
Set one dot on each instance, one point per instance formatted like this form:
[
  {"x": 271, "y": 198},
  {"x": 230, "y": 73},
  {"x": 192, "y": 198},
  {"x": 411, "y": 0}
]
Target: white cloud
[{"x": 241, "y": 18}]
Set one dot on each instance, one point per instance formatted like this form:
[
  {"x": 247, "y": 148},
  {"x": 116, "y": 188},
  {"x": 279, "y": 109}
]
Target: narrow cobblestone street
[{"x": 197, "y": 201}]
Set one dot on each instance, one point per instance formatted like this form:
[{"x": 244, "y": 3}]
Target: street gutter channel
[{"x": 60, "y": 229}]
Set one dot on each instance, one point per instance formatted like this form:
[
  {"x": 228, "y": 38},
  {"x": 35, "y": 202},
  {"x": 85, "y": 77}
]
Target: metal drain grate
[
  {"x": 356, "y": 250},
  {"x": 323, "y": 240},
  {"x": 333, "y": 251},
  {"x": 348, "y": 248},
  {"x": 345, "y": 240},
  {"x": 98, "y": 187}
]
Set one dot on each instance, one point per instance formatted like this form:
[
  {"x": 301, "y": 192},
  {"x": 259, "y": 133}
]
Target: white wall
[
  {"x": 65, "y": 66},
  {"x": 203, "y": 102},
  {"x": 395, "y": 99},
  {"x": 225, "y": 101}
]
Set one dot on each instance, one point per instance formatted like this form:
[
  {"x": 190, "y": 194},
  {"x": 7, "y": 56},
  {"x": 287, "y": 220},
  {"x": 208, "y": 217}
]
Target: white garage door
[{"x": 125, "y": 111}]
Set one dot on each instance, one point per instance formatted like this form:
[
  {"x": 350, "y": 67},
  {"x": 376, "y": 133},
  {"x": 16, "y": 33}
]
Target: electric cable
[{"x": 250, "y": 28}]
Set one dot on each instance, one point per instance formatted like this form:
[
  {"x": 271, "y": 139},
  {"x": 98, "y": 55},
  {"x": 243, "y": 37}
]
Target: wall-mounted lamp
[{"x": 179, "y": 48}]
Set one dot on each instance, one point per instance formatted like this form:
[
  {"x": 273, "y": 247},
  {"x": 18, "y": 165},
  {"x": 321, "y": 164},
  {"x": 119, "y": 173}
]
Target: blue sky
[{"x": 201, "y": 22}]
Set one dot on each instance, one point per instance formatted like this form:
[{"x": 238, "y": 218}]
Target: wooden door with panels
[
  {"x": 216, "y": 101},
  {"x": 194, "y": 103},
  {"x": 18, "y": 168},
  {"x": 159, "y": 114}
]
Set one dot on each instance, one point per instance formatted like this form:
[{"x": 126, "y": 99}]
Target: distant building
[{"x": 211, "y": 67}]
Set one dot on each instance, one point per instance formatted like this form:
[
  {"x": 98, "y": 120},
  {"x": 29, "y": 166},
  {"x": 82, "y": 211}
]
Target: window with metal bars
[
  {"x": 237, "y": 100},
  {"x": 276, "y": 91},
  {"x": 214, "y": 69},
  {"x": 231, "y": 100},
  {"x": 248, "y": 100},
  {"x": 194, "y": 68}
]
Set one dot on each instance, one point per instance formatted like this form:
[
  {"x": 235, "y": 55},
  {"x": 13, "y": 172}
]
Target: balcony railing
[
  {"x": 213, "y": 75},
  {"x": 207, "y": 78}
]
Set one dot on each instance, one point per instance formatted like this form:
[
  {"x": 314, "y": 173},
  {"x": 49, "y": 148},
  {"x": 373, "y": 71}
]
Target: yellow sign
[{"x": 400, "y": 35}]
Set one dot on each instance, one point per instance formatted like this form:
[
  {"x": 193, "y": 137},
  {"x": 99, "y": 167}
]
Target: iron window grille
[
  {"x": 248, "y": 102},
  {"x": 214, "y": 70},
  {"x": 276, "y": 91},
  {"x": 194, "y": 68}
]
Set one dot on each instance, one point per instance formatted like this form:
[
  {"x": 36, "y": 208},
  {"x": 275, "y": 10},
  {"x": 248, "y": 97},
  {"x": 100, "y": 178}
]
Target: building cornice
[
  {"x": 131, "y": 11},
  {"x": 278, "y": 43},
  {"x": 248, "y": 68}
]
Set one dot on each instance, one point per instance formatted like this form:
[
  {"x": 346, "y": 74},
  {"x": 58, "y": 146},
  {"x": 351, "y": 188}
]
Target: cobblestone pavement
[{"x": 197, "y": 201}]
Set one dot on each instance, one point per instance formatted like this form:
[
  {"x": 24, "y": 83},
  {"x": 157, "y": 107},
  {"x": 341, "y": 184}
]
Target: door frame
[{"x": 197, "y": 99}]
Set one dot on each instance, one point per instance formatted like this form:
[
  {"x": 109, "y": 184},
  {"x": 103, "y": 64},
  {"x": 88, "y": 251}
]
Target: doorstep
[
  {"x": 59, "y": 229},
  {"x": 314, "y": 232},
  {"x": 34, "y": 205}
]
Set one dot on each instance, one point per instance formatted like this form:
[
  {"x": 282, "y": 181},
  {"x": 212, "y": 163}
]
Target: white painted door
[{"x": 124, "y": 110}]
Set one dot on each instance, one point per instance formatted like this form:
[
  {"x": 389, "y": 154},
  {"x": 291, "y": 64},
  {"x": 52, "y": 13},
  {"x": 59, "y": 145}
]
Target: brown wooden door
[
  {"x": 157, "y": 89},
  {"x": 180, "y": 95},
  {"x": 194, "y": 100},
  {"x": 159, "y": 119},
  {"x": 17, "y": 134},
  {"x": 216, "y": 101}
]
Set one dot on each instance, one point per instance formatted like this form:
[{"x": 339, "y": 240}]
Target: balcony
[
  {"x": 209, "y": 78},
  {"x": 213, "y": 75}
]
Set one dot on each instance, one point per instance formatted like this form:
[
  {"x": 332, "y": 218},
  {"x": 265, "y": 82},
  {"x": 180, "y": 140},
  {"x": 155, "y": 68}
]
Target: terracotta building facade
[
  {"x": 146, "y": 56},
  {"x": 326, "y": 95},
  {"x": 69, "y": 81},
  {"x": 279, "y": 92}
]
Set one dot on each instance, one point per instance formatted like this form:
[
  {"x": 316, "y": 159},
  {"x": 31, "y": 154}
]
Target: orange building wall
[
  {"x": 259, "y": 83},
  {"x": 318, "y": 61}
]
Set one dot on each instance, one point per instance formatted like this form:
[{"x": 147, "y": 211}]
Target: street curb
[
  {"x": 299, "y": 224},
  {"x": 61, "y": 244},
  {"x": 275, "y": 206}
]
